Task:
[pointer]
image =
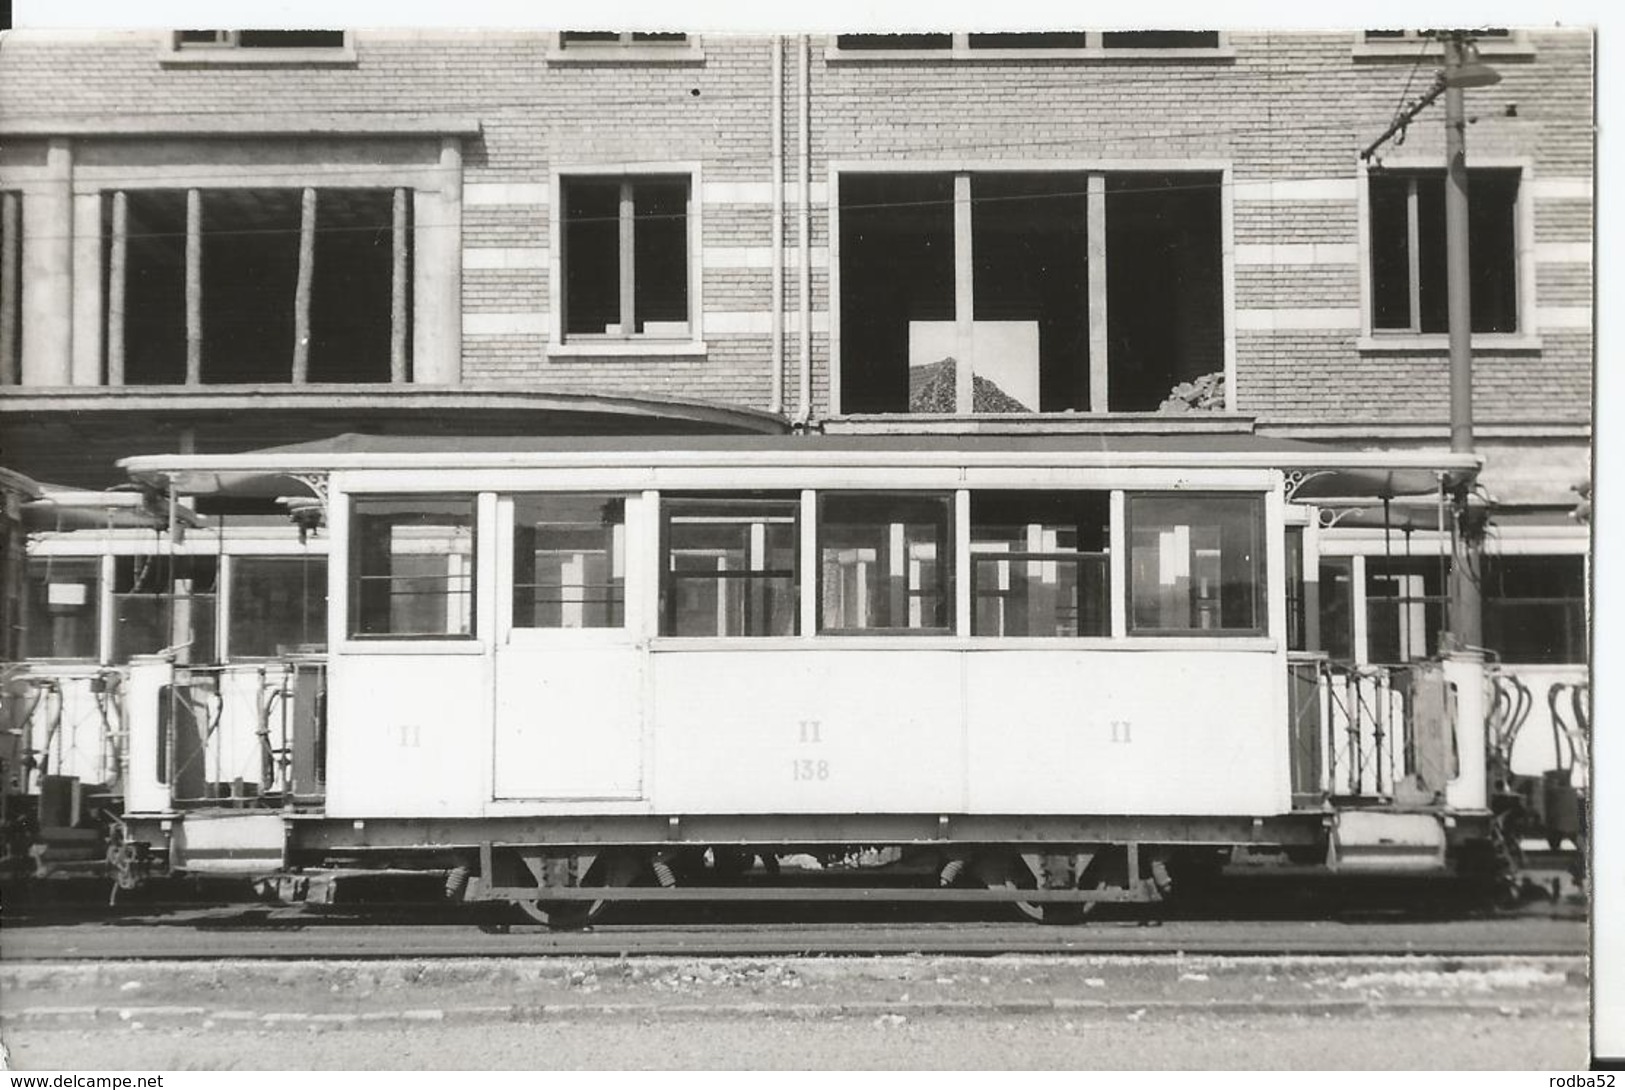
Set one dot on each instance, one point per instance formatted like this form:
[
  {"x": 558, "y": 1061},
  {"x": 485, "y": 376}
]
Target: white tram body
[{"x": 544, "y": 649}]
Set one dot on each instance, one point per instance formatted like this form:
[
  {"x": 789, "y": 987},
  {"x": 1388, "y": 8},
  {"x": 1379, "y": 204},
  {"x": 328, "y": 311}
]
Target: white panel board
[
  {"x": 569, "y": 723},
  {"x": 1127, "y": 732},
  {"x": 827, "y": 731},
  {"x": 408, "y": 735}
]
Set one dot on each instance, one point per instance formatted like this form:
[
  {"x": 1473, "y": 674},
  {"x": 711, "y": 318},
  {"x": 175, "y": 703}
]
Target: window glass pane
[
  {"x": 1405, "y": 607},
  {"x": 730, "y": 566},
  {"x": 582, "y": 37},
  {"x": 1196, "y": 563},
  {"x": 1492, "y": 231},
  {"x": 592, "y": 256},
  {"x": 660, "y": 257},
  {"x": 1390, "y": 252},
  {"x": 569, "y": 561},
  {"x": 1039, "y": 564},
  {"x": 1337, "y": 609},
  {"x": 662, "y": 36},
  {"x": 1160, "y": 39},
  {"x": 164, "y": 601},
  {"x": 1296, "y": 630},
  {"x": 1064, "y": 39},
  {"x": 278, "y": 605},
  {"x": 412, "y": 567},
  {"x": 290, "y": 39},
  {"x": 1534, "y": 608},
  {"x": 885, "y": 562},
  {"x": 894, "y": 41},
  {"x": 61, "y": 606}
]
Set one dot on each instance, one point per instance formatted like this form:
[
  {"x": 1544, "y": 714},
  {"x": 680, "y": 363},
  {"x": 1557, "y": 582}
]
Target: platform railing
[{"x": 1368, "y": 732}]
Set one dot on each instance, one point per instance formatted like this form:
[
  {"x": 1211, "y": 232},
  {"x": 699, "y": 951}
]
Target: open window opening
[
  {"x": 1164, "y": 286},
  {"x": 1040, "y": 563},
  {"x": 163, "y": 601},
  {"x": 62, "y": 608},
  {"x": 1409, "y": 275},
  {"x": 625, "y": 258},
  {"x": 288, "y": 285},
  {"x": 569, "y": 561},
  {"x": 1535, "y": 608},
  {"x": 1196, "y": 564},
  {"x": 885, "y": 562},
  {"x": 1406, "y": 600},
  {"x": 897, "y": 278},
  {"x": 278, "y": 606},
  {"x": 1032, "y": 342},
  {"x": 730, "y": 565},
  {"x": 412, "y": 567}
]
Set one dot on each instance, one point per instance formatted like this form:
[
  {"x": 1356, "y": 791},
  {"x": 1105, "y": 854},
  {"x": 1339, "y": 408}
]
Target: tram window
[
  {"x": 730, "y": 565},
  {"x": 163, "y": 601},
  {"x": 1196, "y": 564},
  {"x": 1405, "y": 607},
  {"x": 62, "y": 609},
  {"x": 1297, "y": 605},
  {"x": 1534, "y": 608},
  {"x": 885, "y": 562},
  {"x": 412, "y": 567},
  {"x": 1337, "y": 608},
  {"x": 278, "y": 605},
  {"x": 569, "y": 561},
  {"x": 1040, "y": 564}
]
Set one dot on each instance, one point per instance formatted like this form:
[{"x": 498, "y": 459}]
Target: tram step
[{"x": 1369, "y": 840}]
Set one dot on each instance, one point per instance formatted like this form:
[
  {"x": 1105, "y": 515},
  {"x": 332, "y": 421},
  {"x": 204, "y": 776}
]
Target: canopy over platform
[{"x": 1314, "y": 471}]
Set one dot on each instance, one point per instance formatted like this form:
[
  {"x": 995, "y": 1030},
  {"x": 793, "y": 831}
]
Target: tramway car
[{"x": 564, "y": 672}]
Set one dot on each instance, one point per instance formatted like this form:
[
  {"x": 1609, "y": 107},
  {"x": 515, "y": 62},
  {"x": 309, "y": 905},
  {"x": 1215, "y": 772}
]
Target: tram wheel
[
  {"x": 1012, "y": 872},
  {"x": 616, "y": 869}
]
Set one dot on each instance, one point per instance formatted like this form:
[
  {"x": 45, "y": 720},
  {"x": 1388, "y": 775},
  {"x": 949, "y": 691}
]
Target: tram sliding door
[{"x": 569, "y": 684}]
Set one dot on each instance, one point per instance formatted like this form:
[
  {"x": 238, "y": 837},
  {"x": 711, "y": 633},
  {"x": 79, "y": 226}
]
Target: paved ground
[{"x": 1021, "y": 1011}]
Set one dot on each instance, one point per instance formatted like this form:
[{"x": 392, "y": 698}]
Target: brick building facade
[{"x": 222, "y": 240}]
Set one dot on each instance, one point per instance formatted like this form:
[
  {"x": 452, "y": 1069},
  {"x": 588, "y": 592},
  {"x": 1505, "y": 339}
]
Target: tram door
[{"x": 569, "y": 685}]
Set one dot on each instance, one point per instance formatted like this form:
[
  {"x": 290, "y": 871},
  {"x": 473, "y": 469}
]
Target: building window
[
  {"x": 1054, "y": 41},
  {"x": 1409, "y": 288},
  {"x": 278, "y": 606},
  {"x": 1405, "y": 604},
  {"x": 11, "y": 287},
  {"x": 730, "y": 565},
  {"x": 885, "y": 563},
  {"x": 626, "y": 256},
  {"x": 1196, "y": 564},
  {"x": 164, "y": 601},
  {"x": 412, "y": 567},
  {"x": 1535, "y": 608},
  {"x": 1026, "y": 251},
  {"x": 599, "y": 38},
  {"x": 569, "y": 561},
  {"x": 1040, "y": 564},
  {"x": 62, "y": 609},
  {"x": 258, "y": 286},
  {"x": 259, "y": 39}
]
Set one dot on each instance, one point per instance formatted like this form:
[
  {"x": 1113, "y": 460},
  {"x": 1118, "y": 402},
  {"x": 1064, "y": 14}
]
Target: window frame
[
  {"x": 673, "y": 503},
  {"x": 226, "y": 51},
  {"x": 1079, "y": 558},
  {"x": 1528, "y": 335},
  {"x": 1095, "y": 50},
  {"x": 1104, "y": 168},
  {"x": 561, "y": 344},
  {"x": 947, "y": 563},
  {"x": 1409, "y": 46},
  {"x": 1264, "y": 586},
  {"x": 352, "y": 639},
  {"x": 624, "y": 50}
]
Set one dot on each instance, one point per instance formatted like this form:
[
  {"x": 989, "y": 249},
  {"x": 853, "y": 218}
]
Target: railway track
[{"x": 288, "y": 933}]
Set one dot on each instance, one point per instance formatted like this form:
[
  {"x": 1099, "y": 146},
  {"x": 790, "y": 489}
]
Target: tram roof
[{"x": 1326, "y": 471}]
